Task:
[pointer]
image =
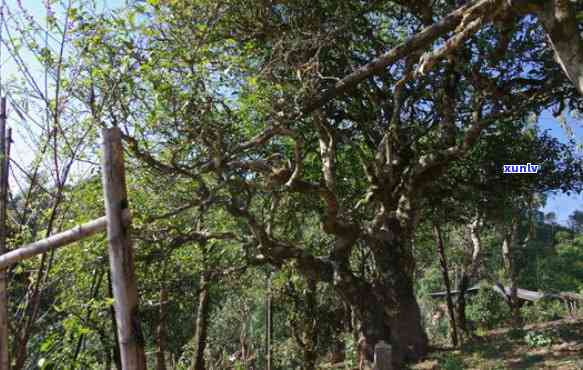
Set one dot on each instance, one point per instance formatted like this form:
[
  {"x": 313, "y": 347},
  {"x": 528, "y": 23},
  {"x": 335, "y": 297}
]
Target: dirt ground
[{"x": 552, "y": 345}]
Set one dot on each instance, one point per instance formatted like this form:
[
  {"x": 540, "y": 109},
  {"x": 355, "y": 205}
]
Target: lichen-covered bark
[
  {"x": 509, "y": 256},
  {"x": 386, "y": 306},
  {"x": 468, "y": 273},
  {"x": 558, "y": 18}
]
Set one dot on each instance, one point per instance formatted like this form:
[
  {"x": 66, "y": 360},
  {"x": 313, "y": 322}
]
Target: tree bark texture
[
  {"x": 445, "y": 272},
  {"x": 469, "y": 272},
  {"x": 386, "y": 307},
  {"x": 559, "y": 20},
  {"x": 511, "y": 269},
  {"x": 161, "y": 330},
  {"x": 310, "y": 330},
  {"x": 202, "y": 316}
]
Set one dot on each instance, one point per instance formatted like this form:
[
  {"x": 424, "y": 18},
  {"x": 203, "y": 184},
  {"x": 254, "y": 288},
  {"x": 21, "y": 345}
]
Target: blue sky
[{"x": 562, "y": 204}]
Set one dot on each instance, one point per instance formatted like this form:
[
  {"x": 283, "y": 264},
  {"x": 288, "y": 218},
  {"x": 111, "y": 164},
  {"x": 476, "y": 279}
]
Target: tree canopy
[{"x": 309, "y": 151}]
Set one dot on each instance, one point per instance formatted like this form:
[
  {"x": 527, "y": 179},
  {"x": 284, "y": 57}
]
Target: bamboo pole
[
  {"x": 4, "y": 353},
  {"x": 125, "y": 292},
  {"x": 55, "y": 241}
]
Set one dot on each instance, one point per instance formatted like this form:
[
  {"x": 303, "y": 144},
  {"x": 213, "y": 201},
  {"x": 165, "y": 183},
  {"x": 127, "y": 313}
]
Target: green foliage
[
  {"x": 516, "y": 333},
  {"x": 192, "y": 84},
  {"x": 451, "y": 361},
  {"x": 488, "y": 309},
  {"x": 562, "y": 267},
  {"x": 543, "y": 311},
  {"x": 537, "y": 339},
  {"x": 351, "y": 359},
  {"x": 576, "y": 221}
]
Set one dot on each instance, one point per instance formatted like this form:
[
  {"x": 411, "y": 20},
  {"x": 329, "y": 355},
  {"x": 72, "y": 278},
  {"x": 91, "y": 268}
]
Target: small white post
[{"x": 382, "y": 356}]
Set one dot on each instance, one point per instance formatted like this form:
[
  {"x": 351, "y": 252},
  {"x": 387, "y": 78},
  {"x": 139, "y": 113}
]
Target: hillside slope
[{"x": 551, "y": 345}]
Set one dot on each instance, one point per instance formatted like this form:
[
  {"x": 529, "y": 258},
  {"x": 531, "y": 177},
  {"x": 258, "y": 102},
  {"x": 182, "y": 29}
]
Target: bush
[
  {"x": 543, "y": 311},
  {"x": 487, "y": 309},
  {"x": 516, "y": 333},
  {"x": 537, "y": 339},
  {"x": 451, "y": 361}
]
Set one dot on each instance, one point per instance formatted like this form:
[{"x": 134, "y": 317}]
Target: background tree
[{"x": 576, "y": 221}]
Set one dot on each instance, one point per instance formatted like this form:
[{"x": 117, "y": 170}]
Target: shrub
[
  {"x": 451, "y": 361},
  {"x": 516, "y": 333},
  {"x": 543, "y": 311},
  {"x": 487, "y": 309},
  {"x": 537, "y": 339}
]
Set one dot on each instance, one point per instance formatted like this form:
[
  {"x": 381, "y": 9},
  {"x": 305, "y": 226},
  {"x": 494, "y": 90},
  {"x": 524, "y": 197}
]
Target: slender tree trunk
[
  {"x": 94, "y": 291},
  {"x": 202, "y": 313},
  {"x": 310, "y": 354},
  {"x": 161, "y": 331},
  {"x": 4, "y": 335},
  {"x": 468, "y": 273},
  {"x": 268, "y": 325},
  {"x": 445, "y": 273},
  {"x": 508, "y": 254},
  {"x": 461, "y": 305}
]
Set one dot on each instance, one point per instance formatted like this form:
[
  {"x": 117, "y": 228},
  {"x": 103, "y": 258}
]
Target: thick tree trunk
[
  {"x": 398, "y": 324},
  {"x": 408, "y": 338},
  {"x": 386, "y": 307},
  {"x": 200, "y": 337},
  {"x": 559, "y": 20}
]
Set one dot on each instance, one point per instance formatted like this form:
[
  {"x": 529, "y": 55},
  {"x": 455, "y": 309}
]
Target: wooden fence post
[
  {"x": 131, "y": 341},
  {"x": 4, "y": 353},
  {"x": 382, "y": 356}
]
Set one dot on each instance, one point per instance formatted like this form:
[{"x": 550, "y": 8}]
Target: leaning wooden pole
[
  {"x": 125, "y": 292},
  {"x": 4, "y": 353}
]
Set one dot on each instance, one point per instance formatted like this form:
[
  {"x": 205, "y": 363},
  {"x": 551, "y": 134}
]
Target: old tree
[{"x": 342, "y": 113}]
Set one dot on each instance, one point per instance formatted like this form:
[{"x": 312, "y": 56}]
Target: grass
[{"x": 551, "y": 345}]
